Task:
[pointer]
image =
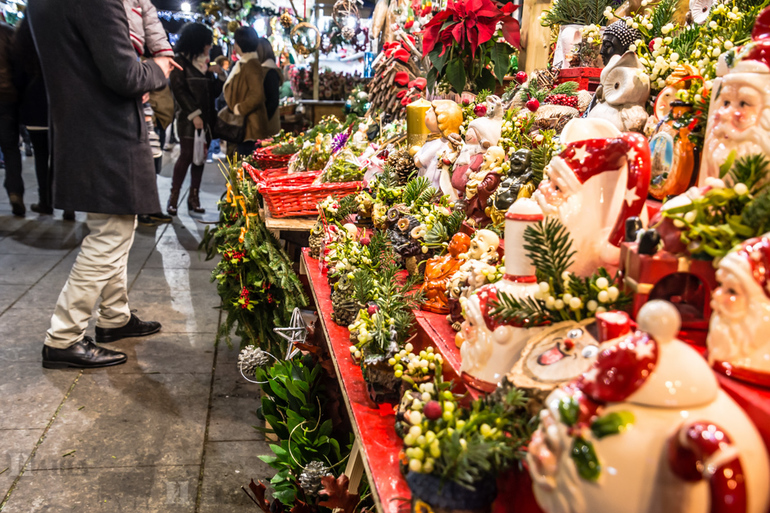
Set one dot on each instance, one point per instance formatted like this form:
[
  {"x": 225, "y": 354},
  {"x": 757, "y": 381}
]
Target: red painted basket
[
  {"x": 265, "y": 159},
  {"x": 292, "y": 199}
]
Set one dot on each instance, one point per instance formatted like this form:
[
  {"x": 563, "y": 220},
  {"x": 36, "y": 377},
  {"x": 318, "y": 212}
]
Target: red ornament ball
[
  {"x": 432, "y": 410},
  {"x": 520, "y": 77},
  {"x": 533, "y": 104},
  {"x": 480, "y": 110}
]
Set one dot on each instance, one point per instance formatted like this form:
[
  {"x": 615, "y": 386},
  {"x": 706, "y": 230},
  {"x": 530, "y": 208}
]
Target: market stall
[{"x": 538, "y": 288}]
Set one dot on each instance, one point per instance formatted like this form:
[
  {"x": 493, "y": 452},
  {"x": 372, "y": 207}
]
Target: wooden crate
[{"x": 586, "y": 78}]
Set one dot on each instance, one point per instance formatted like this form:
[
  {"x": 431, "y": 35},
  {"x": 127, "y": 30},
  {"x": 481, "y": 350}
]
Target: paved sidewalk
[{"x": 171, "y": 430}]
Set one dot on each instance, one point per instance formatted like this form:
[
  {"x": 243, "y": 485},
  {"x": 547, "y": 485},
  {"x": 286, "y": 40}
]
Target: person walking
[
  {"x": 195, "y": 89},
  {"x": 245, "y": 90},
  {"x": 96, "y": 86},
  {"x": 9, "y": 124},
  {"x": 273, "y": 81}
]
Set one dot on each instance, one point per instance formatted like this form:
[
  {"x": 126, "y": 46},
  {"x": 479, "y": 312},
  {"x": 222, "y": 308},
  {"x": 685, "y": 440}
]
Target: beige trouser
[{"x": 99, "y": 271}]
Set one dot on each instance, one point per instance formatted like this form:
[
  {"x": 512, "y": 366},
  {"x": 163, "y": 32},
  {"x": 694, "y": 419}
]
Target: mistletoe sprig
[{"x": 563, "y": 295}]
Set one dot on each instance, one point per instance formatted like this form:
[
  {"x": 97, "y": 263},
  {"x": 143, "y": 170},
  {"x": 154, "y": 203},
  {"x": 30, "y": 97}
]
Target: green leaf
[
  {"x": 268, "y": 459},
  {"x": 584, "y": 456},
  {"x": 455, "y": 74},
  {"x": 278, "y": 450},
  {"x": 612, "y": 423},
  {"x": 437, "y": 60},
  {"x": 569, "y": 409},
  {"x": 486, "y": 80},
  {"x": 501, "y": 60},
  {"x": 728, "y": 164},
  {"x": 286, "y": 497}
]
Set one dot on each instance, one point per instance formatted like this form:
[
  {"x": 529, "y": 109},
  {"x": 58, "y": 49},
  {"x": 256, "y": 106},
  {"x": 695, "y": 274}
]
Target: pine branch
[
  {"x": 525, "y": 312},
  {"x": 757, "y": 213},
  {"x": 414, "y": 190},
  {"x": 663, "y": 15},
  {"x": 684, "y": 42},
  {"x": 568, "y": 88},
  {"x": 541, "y": 156},
  {"x": 751, "y": 170},
  {"x": 549, "y": 248}
]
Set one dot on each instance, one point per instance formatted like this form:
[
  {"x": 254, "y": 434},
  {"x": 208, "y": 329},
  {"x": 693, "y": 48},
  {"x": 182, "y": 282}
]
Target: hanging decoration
[{"x": 305, "y": 38}]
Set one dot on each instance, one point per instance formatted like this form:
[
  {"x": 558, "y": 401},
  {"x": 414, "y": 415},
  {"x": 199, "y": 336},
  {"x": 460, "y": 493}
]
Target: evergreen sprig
[
  {"x": 549, "y": 248},
  {"x": 664, "y": 14},
  {"x": 579, "y": 12},
  {"x": 417, "y": 190},
  {"x": 568, "y": 88}
]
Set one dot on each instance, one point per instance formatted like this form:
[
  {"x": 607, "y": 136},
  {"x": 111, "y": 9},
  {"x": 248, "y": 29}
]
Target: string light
[{"x": 186, "y": 7}]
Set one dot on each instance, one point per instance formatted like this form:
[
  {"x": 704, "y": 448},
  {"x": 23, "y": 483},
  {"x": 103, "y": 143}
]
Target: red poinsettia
[{"x": 474, "y": 21}]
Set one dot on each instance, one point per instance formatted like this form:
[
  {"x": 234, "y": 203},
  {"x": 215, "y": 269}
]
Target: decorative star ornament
[
  {"x": 631, "y": 196},
  {"x": 581, "y": 154},
  {"x": 294, "y": 333}
]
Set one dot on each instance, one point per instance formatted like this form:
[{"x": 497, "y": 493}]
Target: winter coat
[
  {"x": 162, "y": 103},
  {"x": 145, "y": 28},
  {"x": 245, "y": 95},
  {"x": 7, "y": 90},
  {"x": 28, "y": 79},
  {"x": 101, "y": 152},
  {"x": 195, "y": 93}
]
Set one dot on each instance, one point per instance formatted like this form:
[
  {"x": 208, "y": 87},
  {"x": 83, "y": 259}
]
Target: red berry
[
  {"x": 562, "y": 99},
  {"x": 432, "y": 410},
  {"x": 373, "y": 309},
  {"x": 480, "y": 110},
  {"x": 533, "y": 104},
  {"x": 365, "y": 241},
  {"x": 520, "y": 77},
  {"x": 466, "y": 101}
]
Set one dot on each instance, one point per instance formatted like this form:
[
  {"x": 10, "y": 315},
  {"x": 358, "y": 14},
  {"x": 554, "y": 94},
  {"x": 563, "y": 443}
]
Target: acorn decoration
[
  {"x": 403, "y": 165},
  {"x": 316, "y": 238},
  {"x": 344, "y": 306}
]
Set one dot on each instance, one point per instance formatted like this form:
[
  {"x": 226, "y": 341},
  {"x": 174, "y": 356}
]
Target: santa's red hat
[
  {"x": 751, "y": 262},
  {"x": 755, "y": 56},
  {"x": 582, "y": 160}
]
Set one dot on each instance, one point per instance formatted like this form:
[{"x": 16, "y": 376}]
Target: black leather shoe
[
  {"x": 134, "y": 328},
  {"x": 82, "y": 355}
]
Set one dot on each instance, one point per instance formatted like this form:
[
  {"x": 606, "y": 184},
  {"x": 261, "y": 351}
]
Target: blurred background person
[
  {"x": 9, "y": 124},
  {"x": 195, "y": 89}
]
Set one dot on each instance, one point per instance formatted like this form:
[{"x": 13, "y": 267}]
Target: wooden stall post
[{"x": 535, "y": 39}]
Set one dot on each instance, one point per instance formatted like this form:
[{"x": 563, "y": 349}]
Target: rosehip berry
[
  {"x": 373, "y": 309},
  {"x": 533, "y": 104},
  {"x": 366, "y": 241},
  {"x": 432, "y": 410},
  {"x": 480, "y": 110}
]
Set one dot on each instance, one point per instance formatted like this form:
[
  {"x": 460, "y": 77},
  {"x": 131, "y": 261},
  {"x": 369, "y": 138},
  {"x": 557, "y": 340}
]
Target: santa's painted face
[
  {"x": 556, "y": 483},
  {"x": 549, "y": 197},
  {"x": 729, "y": 300},
  {"x": 738, "y": 108}
]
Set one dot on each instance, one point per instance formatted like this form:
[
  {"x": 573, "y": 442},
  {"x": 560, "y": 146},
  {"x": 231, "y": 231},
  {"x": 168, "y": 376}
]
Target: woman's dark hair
[
  {"x": 193, "y": 39},
  {"x": 246, "y": 38},
  {"x": 265, "y": 50}
]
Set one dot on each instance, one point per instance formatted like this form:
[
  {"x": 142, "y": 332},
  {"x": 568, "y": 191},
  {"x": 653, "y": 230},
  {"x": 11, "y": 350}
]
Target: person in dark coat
[
  {"x": 9, "y": 124},
  {"x": 95, "y": 93},
  {"x": 195, "y": 89}
]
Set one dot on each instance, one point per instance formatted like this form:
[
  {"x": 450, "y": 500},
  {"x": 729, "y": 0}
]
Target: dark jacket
[
  {"x": 7, "y": 89},
  {"x": 195, "y": 93},
  {"x": 101, "y": 152},
  {"x": 28, "y": 79},
  {"x": 245, "y": 90}
]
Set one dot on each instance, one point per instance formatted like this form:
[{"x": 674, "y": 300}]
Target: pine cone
[
  {"x": 403, "y": 165},
  {"x": 252, "y": 357},
  {"x": 310, "y": 479}
]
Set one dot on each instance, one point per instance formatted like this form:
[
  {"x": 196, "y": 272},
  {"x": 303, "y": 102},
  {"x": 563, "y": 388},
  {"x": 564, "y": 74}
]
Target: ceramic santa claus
[
  {"x": 489, "y": 347},
  {"x": 599, "y": 180},
  {"x": 646, "y": 430},
  {"x": 739, "y": 119},
  {"x": 739, "y": 331}
]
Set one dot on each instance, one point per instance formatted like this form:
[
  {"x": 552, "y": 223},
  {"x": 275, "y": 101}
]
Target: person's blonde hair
[{"x": 449, "y": 116}]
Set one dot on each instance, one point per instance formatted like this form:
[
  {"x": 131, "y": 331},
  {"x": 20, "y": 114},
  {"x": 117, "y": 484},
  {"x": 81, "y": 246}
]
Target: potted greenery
[
  {"x": 465, "y": 49},
  {"x": 453, "y": 452}
]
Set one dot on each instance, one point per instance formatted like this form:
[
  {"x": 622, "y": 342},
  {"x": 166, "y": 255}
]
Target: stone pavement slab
[{"x": 171, "y": 430}]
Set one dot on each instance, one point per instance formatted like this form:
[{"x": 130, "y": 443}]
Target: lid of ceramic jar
[{"x": 651, "y": 367}]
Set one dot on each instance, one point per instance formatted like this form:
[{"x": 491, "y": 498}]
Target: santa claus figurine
[
  {"x": 739, "y": 119},
  {"x": 738, "y": 340},
  {"x": 647, "y": 429},
  {"x": 593, "y": 186}
]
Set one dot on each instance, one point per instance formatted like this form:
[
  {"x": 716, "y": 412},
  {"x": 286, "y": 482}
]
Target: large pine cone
[{"x": 403, "y": 165}]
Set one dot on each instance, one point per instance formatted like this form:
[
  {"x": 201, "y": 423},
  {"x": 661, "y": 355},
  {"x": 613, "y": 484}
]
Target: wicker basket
[
  {"x": 264, "y": 158},
  {"x": 291, "y": 197}
]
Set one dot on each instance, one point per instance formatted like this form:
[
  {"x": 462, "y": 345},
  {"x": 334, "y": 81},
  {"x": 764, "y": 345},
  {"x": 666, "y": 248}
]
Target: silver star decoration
[{"x": 295, "y": 332}]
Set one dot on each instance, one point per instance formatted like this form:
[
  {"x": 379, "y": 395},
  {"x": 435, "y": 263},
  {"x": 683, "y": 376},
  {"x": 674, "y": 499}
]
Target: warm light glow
[{"x": 186, "y": 7}]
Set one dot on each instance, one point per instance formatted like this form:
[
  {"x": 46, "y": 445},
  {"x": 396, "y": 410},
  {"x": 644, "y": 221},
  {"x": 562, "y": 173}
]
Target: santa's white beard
[
  {"x": 727, "y": 139},
  {"x": 736, "y": 341}
]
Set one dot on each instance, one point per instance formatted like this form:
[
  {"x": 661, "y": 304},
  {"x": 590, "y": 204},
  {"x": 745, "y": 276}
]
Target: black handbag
[{"x": 230, "y": 126}]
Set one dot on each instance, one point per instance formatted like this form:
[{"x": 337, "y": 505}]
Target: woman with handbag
[
  {"x": 245, "y": 93},
  {"x": 195, "y": 88}
]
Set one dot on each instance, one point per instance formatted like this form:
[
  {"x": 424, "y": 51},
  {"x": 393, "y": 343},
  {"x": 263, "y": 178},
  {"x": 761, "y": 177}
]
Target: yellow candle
[{"x": 417, "y": 132}]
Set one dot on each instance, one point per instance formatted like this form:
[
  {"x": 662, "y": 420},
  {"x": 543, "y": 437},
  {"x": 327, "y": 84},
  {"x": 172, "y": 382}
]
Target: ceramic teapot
[
  {"x": 489, "y": 348},
  {"x": 647, "y": 429},
  {"x": 599, "y": 180},
  {"x": 740, "y": 322}
]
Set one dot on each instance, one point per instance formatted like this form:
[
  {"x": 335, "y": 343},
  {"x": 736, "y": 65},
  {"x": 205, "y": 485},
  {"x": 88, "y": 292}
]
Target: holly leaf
[
  {"x": 455, "y": 74},
  {"x": 584, "y": 456},
  {"x": 612, "y": 423},
  {"x": 501, "y": 60},
  {"x": 339, "y": 496},
  {"x": 569, "y": 409}
]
